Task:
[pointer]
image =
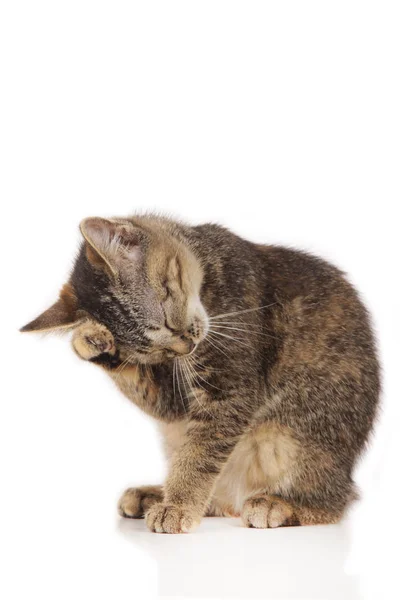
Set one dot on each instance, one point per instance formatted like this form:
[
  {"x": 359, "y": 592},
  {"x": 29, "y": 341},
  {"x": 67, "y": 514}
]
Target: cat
[{"x": 258, "y": 362}]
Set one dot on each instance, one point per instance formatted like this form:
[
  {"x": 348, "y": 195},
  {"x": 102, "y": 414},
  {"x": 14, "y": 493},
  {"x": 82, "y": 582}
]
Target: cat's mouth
[{"x": 157, "y": 355}]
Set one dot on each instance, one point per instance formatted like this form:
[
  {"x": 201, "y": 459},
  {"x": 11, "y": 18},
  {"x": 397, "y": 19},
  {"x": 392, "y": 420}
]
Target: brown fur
[{"x": 258, "y": 362}]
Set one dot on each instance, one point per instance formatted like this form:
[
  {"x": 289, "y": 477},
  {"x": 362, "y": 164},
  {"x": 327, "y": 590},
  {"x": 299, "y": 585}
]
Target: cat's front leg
[
  {"x": 92, "y": 341},
  {"x": 195, "y": 467}
]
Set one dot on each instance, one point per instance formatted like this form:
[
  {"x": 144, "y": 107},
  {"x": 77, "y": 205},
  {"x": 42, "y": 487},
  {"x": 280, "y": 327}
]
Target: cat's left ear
[
  {"x": 110, "y": 243},
  {"x": 62, "y": 315}
]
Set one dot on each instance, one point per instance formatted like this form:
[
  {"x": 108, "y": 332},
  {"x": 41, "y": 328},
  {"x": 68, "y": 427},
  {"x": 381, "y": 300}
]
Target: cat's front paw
[
  {"x": 91, "y": 340},
  {"x": 169, "y": 518},
  {"x": 134, "y": 502}
]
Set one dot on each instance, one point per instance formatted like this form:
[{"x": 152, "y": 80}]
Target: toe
[
  {"x": 130, "y": 504},
  {"x": 255, "y": 513},
  {"x": 162, "y": 518},
  {"x": 266, "y": 511},
  {"x": 278, "y": 514}
]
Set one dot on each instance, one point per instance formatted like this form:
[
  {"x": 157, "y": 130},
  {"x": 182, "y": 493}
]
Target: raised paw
[
  {"x": 92, "y": 339},
  {"x": 134, "y": 502},
  {"x": 169, "y": 518},
  {"x": 264, "y": 511}
]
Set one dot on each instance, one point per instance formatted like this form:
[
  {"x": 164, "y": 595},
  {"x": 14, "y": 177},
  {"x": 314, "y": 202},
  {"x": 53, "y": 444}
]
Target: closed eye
[
  {"x": 171, "y": 329},
  {"x": 166, "y": 325}
]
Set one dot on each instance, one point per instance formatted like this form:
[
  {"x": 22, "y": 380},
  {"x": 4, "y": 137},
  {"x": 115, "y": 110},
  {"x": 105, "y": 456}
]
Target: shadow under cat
[{"x": 226, "y": 560}]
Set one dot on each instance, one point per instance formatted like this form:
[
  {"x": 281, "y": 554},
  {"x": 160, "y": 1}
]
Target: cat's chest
[
  {"x": 139, "y": 389},
  {"x": 174, "y": 435}
]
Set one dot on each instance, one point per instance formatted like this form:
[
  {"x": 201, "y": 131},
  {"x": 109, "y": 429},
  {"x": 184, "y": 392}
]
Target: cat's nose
[{"x": 193, "y": 331}]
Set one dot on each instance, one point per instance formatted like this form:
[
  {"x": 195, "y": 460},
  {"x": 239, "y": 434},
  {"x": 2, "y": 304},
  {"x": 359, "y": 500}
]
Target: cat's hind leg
[
  {"x": 264, "y": 510},
  {"x": 295, "y": 481},
  {"x": 313, "y": 491},
  {"x": 134, "y": 502}
]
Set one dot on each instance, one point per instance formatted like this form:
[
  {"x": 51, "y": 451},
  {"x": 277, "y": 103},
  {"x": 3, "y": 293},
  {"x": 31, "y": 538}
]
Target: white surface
[{"x": 280, "y": 120}]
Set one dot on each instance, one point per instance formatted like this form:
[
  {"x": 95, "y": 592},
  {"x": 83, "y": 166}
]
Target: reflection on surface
[{"x": 222, "y": 559}]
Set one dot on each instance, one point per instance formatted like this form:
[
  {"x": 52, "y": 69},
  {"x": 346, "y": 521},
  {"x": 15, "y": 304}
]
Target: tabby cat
[{"x": 257, "y": 361}]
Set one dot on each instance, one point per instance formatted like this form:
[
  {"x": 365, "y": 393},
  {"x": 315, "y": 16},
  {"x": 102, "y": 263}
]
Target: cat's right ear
[
  {"x": 110, "y": 244},
  {"x": 62, "y": 315}
]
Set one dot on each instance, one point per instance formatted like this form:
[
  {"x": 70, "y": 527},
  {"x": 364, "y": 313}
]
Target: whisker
[
  {"x": 240, "y": 312},
  {"x": 261, "y": 333},
  {"x": 173, "y": 383},
  {"x": 185, "y": 380},
  {"x": 241, "y": 323},
  {"x": 230, "y": 337},
  {"x": 190, "y": 374},
  {"x": 179, "y": 372},
  {"x": 201, "y": 365},
  {"x": 193, "y": 377},
  {"x": 124, "y": 364},
  {"x": 214, "y": 343},
  {"x": 202, "y": 378}
]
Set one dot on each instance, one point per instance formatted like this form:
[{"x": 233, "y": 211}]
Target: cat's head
[{"x": 141, "y": 282}]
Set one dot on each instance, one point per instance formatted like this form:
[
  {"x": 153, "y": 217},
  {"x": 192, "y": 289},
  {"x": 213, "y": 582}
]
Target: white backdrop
[{"x": 277, "y": 119}]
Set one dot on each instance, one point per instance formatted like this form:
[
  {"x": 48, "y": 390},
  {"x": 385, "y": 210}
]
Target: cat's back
[
  {"x": 316, "y": 298},
  {"x": 317, "y": 303},
  {"x": 295, "y": 272},
  {"x": 313, "y": 301},
  {"x": 327, "y": 361},
  {"x": 291, "y": 272}
]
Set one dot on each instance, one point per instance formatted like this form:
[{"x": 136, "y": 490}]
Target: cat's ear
[
  {"x": 110, "y": 243},
  {"x": 61, "y": 315}
]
